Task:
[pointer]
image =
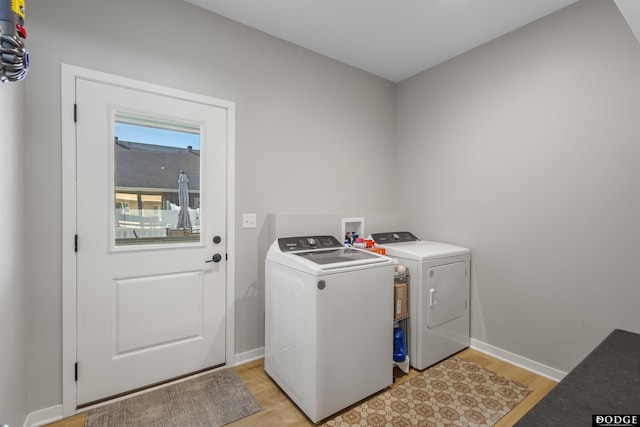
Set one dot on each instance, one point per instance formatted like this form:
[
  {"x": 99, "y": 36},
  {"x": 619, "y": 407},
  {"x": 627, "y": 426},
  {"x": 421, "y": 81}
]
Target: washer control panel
[
  {"x": 306, "y": 243},
  {"x": 394, "y": 237}
]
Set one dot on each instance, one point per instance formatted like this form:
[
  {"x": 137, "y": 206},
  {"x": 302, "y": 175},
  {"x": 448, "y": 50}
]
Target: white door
[
  {"x": 149, "y": 306},
  {"x": 448, "y": 293}
]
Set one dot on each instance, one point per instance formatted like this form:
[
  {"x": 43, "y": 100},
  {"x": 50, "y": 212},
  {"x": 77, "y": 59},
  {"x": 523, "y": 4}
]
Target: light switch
[{"x": 248, "y": 220}]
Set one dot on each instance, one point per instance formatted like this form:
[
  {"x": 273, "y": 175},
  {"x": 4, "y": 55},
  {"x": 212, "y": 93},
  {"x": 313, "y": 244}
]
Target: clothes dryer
[
  {"x": 439, "y": 294},
  {"x": 328, "y": 322}
]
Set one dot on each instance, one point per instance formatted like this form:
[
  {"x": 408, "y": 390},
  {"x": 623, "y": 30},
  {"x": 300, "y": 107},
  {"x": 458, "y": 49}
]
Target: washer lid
[
  {"x": 318, "y": 254},
  {"x": 329, "y": 258}
]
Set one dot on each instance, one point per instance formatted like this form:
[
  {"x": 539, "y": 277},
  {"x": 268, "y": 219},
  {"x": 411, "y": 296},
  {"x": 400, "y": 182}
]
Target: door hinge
[
  {"x": 75, "y": 243},
  {"x": 226, "y": 257},
  {"x": 75, "y": 370},
  {"x": 75, "y": 113}
]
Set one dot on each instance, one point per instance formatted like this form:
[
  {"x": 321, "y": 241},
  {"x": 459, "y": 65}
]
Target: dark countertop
[{"x": 607, "y": 381}]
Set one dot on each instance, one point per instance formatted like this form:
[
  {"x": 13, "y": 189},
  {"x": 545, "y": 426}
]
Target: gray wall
[
  {"x": 527, "y": 150},
  {"x": 298, "y": 115},
  {"x": 13, "y": 391}
]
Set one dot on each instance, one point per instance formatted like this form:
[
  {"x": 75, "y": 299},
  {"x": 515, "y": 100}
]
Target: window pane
[{"x": 157, "y": 180}]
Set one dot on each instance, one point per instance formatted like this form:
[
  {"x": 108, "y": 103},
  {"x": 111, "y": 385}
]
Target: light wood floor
[{"x": 278, "y": 411}]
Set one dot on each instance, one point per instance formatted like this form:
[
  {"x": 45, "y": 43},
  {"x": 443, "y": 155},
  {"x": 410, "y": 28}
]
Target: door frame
[{"x": 69, "y": 75}]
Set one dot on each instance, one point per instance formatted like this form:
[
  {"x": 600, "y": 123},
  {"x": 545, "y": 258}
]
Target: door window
[{"x": 156, "y": 180}]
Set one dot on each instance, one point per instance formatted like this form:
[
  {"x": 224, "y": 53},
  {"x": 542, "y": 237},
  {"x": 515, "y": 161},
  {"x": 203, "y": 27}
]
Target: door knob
[{"x": 215, "y": 258}]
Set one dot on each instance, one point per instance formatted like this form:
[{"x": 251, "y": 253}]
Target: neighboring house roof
[{"x": 155, "y": 167}]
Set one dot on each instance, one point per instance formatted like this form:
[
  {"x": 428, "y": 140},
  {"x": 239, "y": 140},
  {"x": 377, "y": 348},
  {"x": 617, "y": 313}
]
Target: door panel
[
  {"x": 149, "y": 306},
  {"x": 447, "y": 293},
  {"x": 172, "y": 304}
]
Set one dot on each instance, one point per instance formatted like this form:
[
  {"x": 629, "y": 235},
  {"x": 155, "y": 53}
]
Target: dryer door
[{"x": 447, "y": 292}]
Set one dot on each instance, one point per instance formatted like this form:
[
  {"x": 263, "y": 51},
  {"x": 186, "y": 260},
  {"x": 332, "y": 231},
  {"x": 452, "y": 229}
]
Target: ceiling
[{"x": 393, "y": 39}]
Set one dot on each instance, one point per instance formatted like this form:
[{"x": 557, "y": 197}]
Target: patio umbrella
[{"x": 183, "y": 200}]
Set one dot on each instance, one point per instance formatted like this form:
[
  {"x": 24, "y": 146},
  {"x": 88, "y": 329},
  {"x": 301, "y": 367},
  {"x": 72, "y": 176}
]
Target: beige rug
[
  {"x": 454, "y": 392},
  {"x": 210, "y": 400}
]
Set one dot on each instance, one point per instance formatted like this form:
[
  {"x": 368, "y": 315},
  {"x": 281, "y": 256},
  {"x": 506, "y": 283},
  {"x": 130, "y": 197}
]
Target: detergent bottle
[{"x": 399, "y": 351}]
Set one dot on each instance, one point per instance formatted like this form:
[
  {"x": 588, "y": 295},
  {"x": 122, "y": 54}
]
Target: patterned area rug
[
  {"x": 454, "y": 392},
  {"x": 210, "y": 400}
]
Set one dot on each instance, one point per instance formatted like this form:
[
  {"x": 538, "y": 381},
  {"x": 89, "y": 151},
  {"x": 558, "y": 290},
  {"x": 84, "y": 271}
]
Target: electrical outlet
[{"x": 248, "y": 220}]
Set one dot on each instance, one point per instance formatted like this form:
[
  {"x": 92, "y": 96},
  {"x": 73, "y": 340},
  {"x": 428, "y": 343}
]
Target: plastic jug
[{"x": 399, "y": 352}]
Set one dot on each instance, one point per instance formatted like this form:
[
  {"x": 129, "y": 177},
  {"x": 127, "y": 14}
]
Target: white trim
[
  {"x": 249, "y": 356},
  {"x": 69, "y": 74},
  {"x": 67, "y": 96},
  {"x": 231, "y": 234},
  {"x": 522, "y": 362},
  {"x": 44, "y": 416}
]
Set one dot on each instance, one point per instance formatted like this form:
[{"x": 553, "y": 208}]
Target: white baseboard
[
  {"x": 522, "y": 362},
  {"x": 44, "y": 416},
  {"x": 249, "y": 356}
]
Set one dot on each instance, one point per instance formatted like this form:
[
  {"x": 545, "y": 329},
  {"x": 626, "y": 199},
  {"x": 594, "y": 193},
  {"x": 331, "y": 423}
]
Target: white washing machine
[
  {"x": 328, "y": 322},
  {"x": 439, "y": 293}
]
